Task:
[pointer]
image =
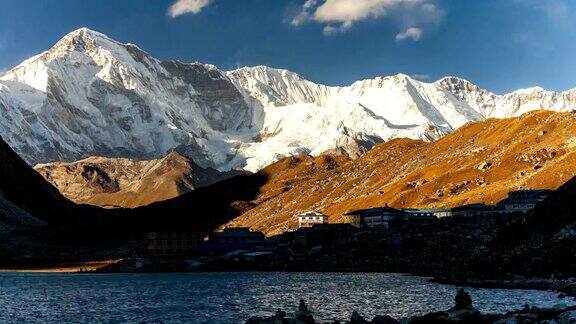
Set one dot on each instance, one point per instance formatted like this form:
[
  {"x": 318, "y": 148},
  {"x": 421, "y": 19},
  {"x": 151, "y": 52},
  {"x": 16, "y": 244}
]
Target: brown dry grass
[{"x": 536, "y": 150}]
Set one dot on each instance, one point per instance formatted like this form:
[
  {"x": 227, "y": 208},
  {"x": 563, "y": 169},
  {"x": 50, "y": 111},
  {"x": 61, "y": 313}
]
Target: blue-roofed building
[
  {"x": 521, "y": 201},
  {"x": 386, "y": 217}
]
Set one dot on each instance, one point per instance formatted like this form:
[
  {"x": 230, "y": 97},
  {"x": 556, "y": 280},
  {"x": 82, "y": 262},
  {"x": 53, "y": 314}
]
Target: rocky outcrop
[
  {"x": 115, "y": 182},
  {"x": 463, "y": 312}
]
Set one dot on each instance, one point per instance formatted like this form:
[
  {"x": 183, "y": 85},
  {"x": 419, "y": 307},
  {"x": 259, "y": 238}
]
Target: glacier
[{"x": 90, "y": 95}]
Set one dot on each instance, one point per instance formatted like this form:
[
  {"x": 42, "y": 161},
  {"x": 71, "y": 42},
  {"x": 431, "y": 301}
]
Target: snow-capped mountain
[{"x": 90, "y": 95}]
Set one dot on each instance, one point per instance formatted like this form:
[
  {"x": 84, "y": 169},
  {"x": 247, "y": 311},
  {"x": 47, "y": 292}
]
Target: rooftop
[
  {"x": 375, "y": 210},
  {"x": 312, "y": 213}
]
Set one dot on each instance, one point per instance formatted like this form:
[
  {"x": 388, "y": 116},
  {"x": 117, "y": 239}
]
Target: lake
[{"x": 233, "y": 297}]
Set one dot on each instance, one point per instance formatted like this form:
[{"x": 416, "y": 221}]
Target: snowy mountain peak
[
  {"x": 90, "y": 95},
  {"x": 266, "y": 70},
  {"x": 527, "y": 91},
  {"x": 403, "y": 77},
  {"x": 267, "y": 74},
  {"x": 85, "y": 33},
  {"x": 82, "y": 40},
  {"x": 458, "y": 84}
]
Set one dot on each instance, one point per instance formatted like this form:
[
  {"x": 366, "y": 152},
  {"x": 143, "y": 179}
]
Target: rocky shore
[
  {"x": 563, "y": 286},
  {"x": 463, "y": 311}
]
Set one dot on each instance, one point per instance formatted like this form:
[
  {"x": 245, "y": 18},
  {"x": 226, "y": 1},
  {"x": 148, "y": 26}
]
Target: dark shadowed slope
[
  {"x": 27, "y": 198},
  {"x": 545, "y": 242},
  {"x": 22, "y": 190},
  {"x": 202, "y": 209},
  {"x": 40, "y": 226},
  {"x": 32, "y": 213}
]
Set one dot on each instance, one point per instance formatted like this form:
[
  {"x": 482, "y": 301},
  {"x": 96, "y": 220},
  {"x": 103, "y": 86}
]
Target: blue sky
[{"x": 500, "y": 45}]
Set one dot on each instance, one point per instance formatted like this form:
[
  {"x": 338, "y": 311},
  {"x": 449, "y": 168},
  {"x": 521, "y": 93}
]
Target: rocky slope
[
  {"x": 110, "y": 182},
  {"x": 479, "y": 162},
  {"x": 92, "y": 96}
]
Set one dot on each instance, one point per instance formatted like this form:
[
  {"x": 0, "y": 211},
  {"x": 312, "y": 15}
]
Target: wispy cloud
[
  {"x": 413, "y": 33},
  {"x": 421, "y": 76},
  {"x": 339, "y": 16},
  {"x": 183, "y": 7},
  {"x": 3, "y": 44},
  {"x": 558, "y": 11}
]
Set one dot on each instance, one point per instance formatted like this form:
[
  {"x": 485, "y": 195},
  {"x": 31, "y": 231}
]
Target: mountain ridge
[{"x": 90, "y": 95}]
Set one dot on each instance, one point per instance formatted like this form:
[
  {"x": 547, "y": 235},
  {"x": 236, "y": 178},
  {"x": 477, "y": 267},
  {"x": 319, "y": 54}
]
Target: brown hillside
[
  {"x": 110, "y": 182},
  {"x": 480, "y": 162}
]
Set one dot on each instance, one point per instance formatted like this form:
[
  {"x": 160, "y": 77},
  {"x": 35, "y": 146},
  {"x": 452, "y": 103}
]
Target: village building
[
  {"x": 173, "y": 243},
  {"x": 234, "y": 238},
  {"x": 379, "y": 217},
  {"x": 522, "y": 201},
  {"x": 237, "y": 235},
  {"x": 387, "y": 217},
  {"x": 473, "y": 210},
  {"x": 322, "y": 234},
  {"x": 311, "y": 218},
  {"x": 436, "y": 213}
]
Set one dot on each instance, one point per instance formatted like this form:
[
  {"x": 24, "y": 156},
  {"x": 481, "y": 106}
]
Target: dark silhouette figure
[
  {"x": 462, "y": 300},
  {"x": 304, "y": 314}
]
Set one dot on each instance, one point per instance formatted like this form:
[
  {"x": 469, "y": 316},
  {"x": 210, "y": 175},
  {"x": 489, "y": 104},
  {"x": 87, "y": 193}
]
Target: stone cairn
[{"x": 462, "y": 312}]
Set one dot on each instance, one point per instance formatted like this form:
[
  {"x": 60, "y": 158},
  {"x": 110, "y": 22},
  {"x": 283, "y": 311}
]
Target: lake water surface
[{"x": 233, "y": 297}]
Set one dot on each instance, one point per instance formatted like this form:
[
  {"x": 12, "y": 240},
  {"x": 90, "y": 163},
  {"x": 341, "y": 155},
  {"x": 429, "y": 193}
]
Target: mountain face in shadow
[
  {"x": 544, "y": 242},
  {"x": 23, "y": 191},
  {"x": 30, "y": 211},
  {"x": 207, "y": 207},
  {"x": 38, "y": 225}
]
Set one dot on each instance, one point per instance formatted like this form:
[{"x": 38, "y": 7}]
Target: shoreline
[
  {"x": 564, "y": 286},
  {"x": 72, "y": 267},
  {"x": 463, "y": 312}
]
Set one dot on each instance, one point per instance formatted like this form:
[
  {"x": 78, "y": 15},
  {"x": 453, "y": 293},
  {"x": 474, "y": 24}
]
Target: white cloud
[
  {"x": 330, "y": 30},
  {"x": 413, "y": 33},
  {"x": 305, "y": 15},
  {"x": 341, "y": 15},
  {"x": 182, "y": 7}
]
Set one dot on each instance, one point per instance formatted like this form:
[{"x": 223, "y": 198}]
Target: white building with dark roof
[{"x": 311, "y": 218}]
